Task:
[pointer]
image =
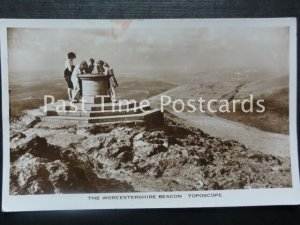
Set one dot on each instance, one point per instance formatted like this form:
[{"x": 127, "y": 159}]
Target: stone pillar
[{"x": 94, "y": 88}]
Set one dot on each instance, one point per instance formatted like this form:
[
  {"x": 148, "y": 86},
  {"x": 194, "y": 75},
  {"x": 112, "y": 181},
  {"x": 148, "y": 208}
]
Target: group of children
[{"x": 74, "y": 83}]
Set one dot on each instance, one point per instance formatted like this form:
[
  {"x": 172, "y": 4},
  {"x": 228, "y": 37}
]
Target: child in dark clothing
[
  {"x": 90, "y": 66},
  {"x": 100, "y": 66},
  {"x": 69, "y": 67}
]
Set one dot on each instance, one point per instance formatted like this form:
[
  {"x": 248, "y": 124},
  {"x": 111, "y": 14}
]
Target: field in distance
[{"x": 27, "y": 92}]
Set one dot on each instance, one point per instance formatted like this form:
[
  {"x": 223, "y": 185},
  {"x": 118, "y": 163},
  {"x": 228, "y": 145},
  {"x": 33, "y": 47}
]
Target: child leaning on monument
[
  {"x": 100, "y": 67},
  {"x": 113, "y": 83},
  {"x": 90, "y": 66},
  {"x": 79, "y": 69}
]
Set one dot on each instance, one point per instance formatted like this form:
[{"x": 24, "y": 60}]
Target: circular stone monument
[{"x": 93, "y": 87}]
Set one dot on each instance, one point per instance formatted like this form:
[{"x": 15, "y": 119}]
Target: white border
[{"x": 277, "y": 196}]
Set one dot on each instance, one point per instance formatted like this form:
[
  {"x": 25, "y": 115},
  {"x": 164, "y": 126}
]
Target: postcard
[{"x": 153, "y": 113}]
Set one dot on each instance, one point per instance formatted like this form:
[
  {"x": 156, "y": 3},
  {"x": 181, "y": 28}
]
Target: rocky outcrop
[
  {"x": 131, "y": 158},
  {"x": 41, "y": 168}
]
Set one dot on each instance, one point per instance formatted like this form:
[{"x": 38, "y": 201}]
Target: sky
[{"x": 131, "y": 49}]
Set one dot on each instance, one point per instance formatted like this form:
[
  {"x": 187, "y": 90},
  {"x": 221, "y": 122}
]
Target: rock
[
  {"x": 200, "y": 184},
  {"x": 256, "y": 157},
  {"x": 158, "y": 172},
  {"x": 25, "y": 176},
  {"x": 174, "y": 141},
  {"x": 36, "y": 146},
  {"x": 125, "y": 156},
  {"x": 184, "y": 153},
  {"x": 156, "y": 149},
  {"x": 139, "y": 136},
  {"x": 142, "y": 167},
  {"x": 116, "y": 159},
  {"x": 59, "y": 172},
  {"x": 228, "y": 143},
  {"x": 113, "y": 152},
  {"x": 58, "y": 175},
  {"x": 17, "y": 136},
  {"x": 118, "y": 166},
  {"x": 214, "y": 186}
]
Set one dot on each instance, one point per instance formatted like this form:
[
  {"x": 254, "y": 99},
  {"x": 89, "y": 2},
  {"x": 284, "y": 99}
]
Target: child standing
[{"x": 69, "y": 67}]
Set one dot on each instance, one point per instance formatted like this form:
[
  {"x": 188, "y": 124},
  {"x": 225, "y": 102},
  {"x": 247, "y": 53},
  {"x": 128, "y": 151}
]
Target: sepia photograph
[{"x": 140, "y": 106}]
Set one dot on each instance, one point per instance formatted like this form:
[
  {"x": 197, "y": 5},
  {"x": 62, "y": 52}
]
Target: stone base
[
  {"x": 91, "y": 114},
  {"x": 96, "y": 99},
  {"x": 152, "y": 118},
  {"x": 102, "y": 112},
  {"x": 90, "y": 107},
  {"x": 94, "y": 84}
]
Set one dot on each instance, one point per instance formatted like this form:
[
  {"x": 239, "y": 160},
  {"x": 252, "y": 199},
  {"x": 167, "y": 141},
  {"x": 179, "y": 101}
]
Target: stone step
[
  {"x": 110, "y": 106},
  {"x": 102, "y": 113},
  {"x": 96, "y": 99},
  {"x": 90, "y": 107},
  {"x": 87, "y": 120},
  {"x": 35, "y": 113},
  {"x": 116, "y": 118},
  {"x": 125, "y": 122},
  {"x": 67, "y": 123},
  {"x": 148, "y": 115}
]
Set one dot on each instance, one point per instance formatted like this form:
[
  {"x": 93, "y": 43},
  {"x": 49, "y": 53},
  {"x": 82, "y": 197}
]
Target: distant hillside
[
  {"x": 275, "y": 93},
  {"x": 30, "y": 94}
]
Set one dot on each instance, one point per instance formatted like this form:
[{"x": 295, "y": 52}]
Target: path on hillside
[
  {"x": 252, "y": 138},
  {"x": 266, "y": 142}
]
